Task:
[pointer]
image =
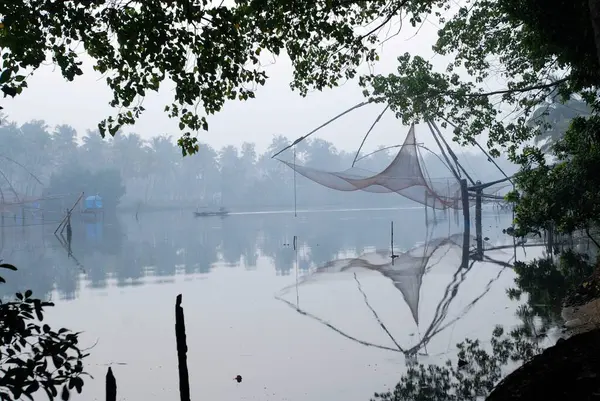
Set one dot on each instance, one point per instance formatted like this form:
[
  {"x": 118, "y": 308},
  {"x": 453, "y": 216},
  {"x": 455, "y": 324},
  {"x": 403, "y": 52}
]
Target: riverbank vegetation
[{"x": 33, "y": 357}]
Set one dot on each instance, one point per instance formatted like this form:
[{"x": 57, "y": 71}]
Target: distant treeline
[{"x": 133, "y": 173}]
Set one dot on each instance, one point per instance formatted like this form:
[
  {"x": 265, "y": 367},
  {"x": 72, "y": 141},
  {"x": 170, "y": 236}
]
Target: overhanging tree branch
[{"x": 514, "y": 90}]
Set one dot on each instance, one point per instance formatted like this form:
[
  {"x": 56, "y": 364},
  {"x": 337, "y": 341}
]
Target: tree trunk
[{"x": 594, "y": 6}]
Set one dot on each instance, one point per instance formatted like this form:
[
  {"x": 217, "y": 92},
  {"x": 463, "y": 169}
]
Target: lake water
[{"x": 293, "y": 304}]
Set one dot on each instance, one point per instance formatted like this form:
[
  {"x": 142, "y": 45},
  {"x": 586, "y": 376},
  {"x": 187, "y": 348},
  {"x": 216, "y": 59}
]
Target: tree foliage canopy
[
  {"x": 210, "y": 51},
  {"x": 522, "y": 43},
  {"x": 564, "y": 194}
]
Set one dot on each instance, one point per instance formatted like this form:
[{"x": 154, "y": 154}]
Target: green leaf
[
  {"x": 65, "y": 395},
  {"x": 5, "y": 76},
  {"x": 32, "y": 388},
  {"x": 37, "y": 305}
]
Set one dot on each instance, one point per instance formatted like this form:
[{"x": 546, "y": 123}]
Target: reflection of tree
[
  {"x": 546, "y": 284},
  {"x": 127, "y": 249},
  {"x": 37, "y": 272},
  {"x": 238, "y": 241},
  {"x": 455, "y": 382}
]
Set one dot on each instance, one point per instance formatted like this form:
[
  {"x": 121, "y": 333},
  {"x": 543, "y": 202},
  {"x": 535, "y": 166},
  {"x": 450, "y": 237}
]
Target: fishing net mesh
[{"x": 404, "y": 176}]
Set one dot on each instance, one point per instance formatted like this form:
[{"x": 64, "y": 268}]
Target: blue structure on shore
[
  {"x": 92, "y": 208},
  {"x": 93, "y": 204}
]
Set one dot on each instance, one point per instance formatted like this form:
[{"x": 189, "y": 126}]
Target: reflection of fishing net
[
  {"x": 406, "y": 273},
  {"x": 406, "y": 270},
  {"x": 404, "y": 176}
]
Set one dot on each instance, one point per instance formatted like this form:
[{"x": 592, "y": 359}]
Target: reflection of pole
[
  {"x": 467, "y": 221},
  {"x": 550, "y": 241},
  {"x": 297, "y": 272},
  {"x": 513, "y": 223},
  {"x": 426, "y": 219}
]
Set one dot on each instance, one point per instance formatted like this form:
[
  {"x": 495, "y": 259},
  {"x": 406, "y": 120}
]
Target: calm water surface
[{"x": 243, "y": 286}]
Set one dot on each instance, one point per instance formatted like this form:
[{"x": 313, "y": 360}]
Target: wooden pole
[
  {"x": 392, "y": 238},
  {"x": 451, "y": 152},
  {"x": 368, "y": 132},
  {"x": 184, "y": 380},
  {"x": 321, "y": 126},
  {"x": 68, "y": 214},
  {"x": 467, "y": 221},
  {"x": 478, "y": 223},
  {"x": 111, "y": 386}
]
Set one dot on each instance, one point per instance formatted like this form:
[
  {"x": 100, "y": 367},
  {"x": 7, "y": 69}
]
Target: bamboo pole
[
  {"x": 68, "y": 214},
  {"x": 478, "y": 223},
  {"x": 368, "y": 132},
  {"x": 361, "y": 104}
]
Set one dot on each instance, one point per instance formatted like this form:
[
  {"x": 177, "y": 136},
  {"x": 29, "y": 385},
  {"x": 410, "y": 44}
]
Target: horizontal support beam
[{"x": 480, "y": 187}]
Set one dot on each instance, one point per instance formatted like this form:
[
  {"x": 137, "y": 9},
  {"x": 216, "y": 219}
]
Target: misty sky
[{"x": 276, "y": 109}]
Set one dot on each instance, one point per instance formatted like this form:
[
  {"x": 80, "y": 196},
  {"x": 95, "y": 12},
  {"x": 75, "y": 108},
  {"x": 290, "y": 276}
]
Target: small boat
[{"x": 221, "y": 212}]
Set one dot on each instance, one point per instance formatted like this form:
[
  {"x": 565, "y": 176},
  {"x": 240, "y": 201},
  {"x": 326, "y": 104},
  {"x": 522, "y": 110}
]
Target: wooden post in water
[
  {"x": 392, "y": 242},
  {"x": 61, "y": 226},
  {"x": 464, "y": 192},
  {"x": 184, "y": 380},
  {"x": 478, "y": 223},
  {"x": 111, "y": 386}
]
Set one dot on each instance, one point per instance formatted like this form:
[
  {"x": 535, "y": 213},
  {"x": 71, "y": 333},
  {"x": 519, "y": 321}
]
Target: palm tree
[
  {"x": 95, "y": 151},
  {"x": 64, "y": 144},
  {"x": 162, "y": 164}
]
